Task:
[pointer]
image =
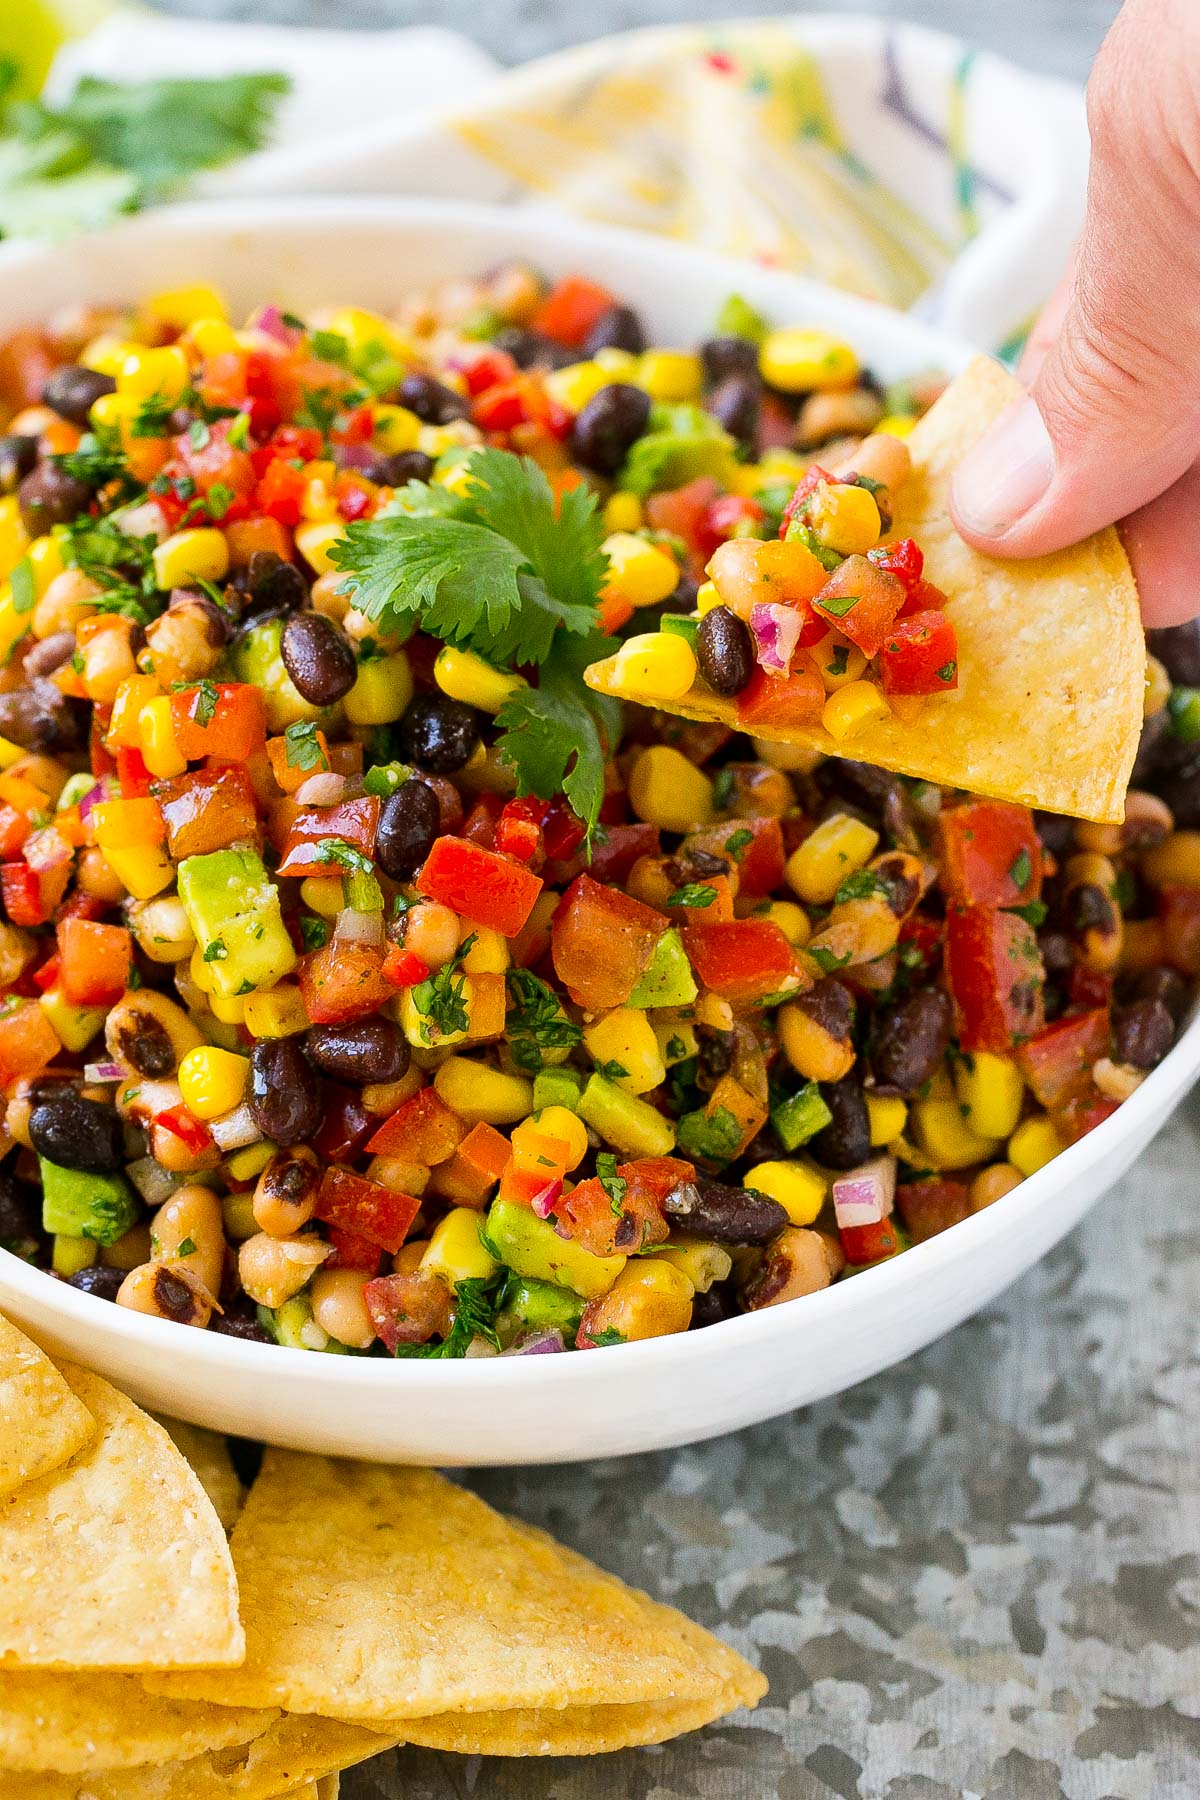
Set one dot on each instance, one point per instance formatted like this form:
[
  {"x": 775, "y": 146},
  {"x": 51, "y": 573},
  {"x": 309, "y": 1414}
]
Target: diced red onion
[
  {"x": 100, "y": 1072},
  {"x": 776, "y": 633},
  {"x": 325, "y": 789},
  {"x": 47, "y": 849},
  {"x": 235, "y": 1130},
  {"x": 866, "y": 1195},
  {"x": 359, "y": 927},
  {"x": 543, "y": 1202},
  {"x": 269, "y": 320},
  {"x": 536, "y": 1343},
  {"x": 146, "y": 519},
  {"x": 356, "y": 456},
  {"x": 101, "y": 791},
  {"x": 154, "y": 1183}
]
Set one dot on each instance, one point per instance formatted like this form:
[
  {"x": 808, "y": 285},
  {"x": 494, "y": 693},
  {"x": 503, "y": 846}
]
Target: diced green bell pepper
[
  {"x": 556, "y": 1087},
  {"x": 800, "y": 1117}
]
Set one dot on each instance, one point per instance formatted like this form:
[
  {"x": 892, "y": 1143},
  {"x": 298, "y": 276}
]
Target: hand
[{"x": 1111, "y": 427}]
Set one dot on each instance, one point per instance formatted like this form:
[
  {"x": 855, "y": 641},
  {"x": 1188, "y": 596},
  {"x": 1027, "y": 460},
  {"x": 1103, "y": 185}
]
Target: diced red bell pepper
[
  {"x": 623, "y": 845},
  {"x": 570, "y": 310},
  {"x": 343, "y": 980},
  {"x": 484, "y": 368},
  {"x": 488, "y": 889},
  {"x": 1076, "y": 1118},
  {"x": 681, "y": 512},
  {"x": 601, "y": 941},
  {"x": 920, "y": 942},
  {"x": 1179, "y": 911},
  {"x": 860, "y": 600},
  {"x": 919, "y": 655},
  {"x": 608, "y": 1226},
  {"x": 350, "y": 1251},
  {"x": 996, "y": 977},
  {"x": 722, "y": 518},
  {"x": 869, "y": 1243},
  {"x": 904, "y": 559},
  {"x": 182, "y": 1123},
  {"x": 14, "y": 829},
  {"x": 743, "y": 960},
  {"x": 1088, "y": 988},
  {"x": 408, "y": 1309},
  {"x": 356, "y": 496},
  {"x": 479, "y": 826},
  {"x": 280, "y": 491},
  {"x": 345, "y": 1124},
  {"x": 226, "y": 719},
  {"x": 781, "y": 702},
  {"x": 46, "y": 977},
  {"x": 22, "y": 894},
  {"x": 469, "y": 1176},
  {"x": 424, "y": 1129},
  {"x": 95, "y": 961},
  {"x": 403, "y": 968},
  {"x": 1057, "y": 1062},
  {"x": 356, "y": 821},
  {"x": 216, "y": 462},
  {"x": 366, "y": 1208},
  {"x": 207, "y": 809},
  {"x": 519, "y": 827},
  {"x": 28, "y": 1041},
  {"x": 563, "y": 831},
  {"x": 991, "y": 854},
  {"x": 927, "y": 1207}
]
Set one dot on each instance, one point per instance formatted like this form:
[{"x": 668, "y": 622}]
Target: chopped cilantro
[
  {"x": 441, "y": 1000},
  {"x": 476, "y": 1300},
  {"x": 693, "y": 893},
  {"x": 239, "y": 431},
  {"x": 839, "y": 604},
  {"x": 1021, "y": 869},
  {"x": 738, "y": 843},
  {"x": 557, "y": 735},
  {"x": 612, "y": 1070},
  {"x": 609, "y": 1336},
  {"x": 1033, "y": 912},
  {"x": 346, "y": 856},
  {"x": 215, "y": 951},
  {"x": 536, "y": 1022},
  {"x": 218, "y": 500},
  {"x": 96, "y": 461},
  {"x": 199, "y": 435},
  {"x": 839, "y": 659},
  {"x": 153, "y": 417},
  {"x": 186, "y": 1247},
  {"x": 825, "y": 960},
  {"x": 864, "y": 884},
  {"x": 314, "y": 932},
  {"x": 301, "y": 746},
  {"x": 948, "y": 671},
  {"x": 204, "y": 706},
  {"x": 615, "y": 1186},
  {"x": 716, "y": 1139}
]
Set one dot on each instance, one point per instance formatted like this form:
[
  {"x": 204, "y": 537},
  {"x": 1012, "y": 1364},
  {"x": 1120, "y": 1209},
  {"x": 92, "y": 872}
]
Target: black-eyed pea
[
  {"x": 325, "y": 597},
  {"x": 286, "y": 1194},
  {"x": 339, "y": 1307},
  {"x": 189, "y": 1231},
  {"x": 394, "y": 1172},
  {"x": 96, "y": 878},
  {"x": 798, "y": 1262},
  {"x": 431, "y": 931},
  {"x": 167, "y": 1291},
  {"x": 68, "y": 600},
  {"x": 107, "y": 660},
  {"x": 130, "y": 1251},
  {"x": 649, "y": 1298},
  {"x": 991, "y": 1184},
  {"x": 151, "y": 1033},
  {"x": 273, "y": 1269}
]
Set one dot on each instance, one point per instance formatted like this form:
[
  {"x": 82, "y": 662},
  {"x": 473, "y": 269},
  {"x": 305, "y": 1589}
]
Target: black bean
[
  {"x": 39, "y": 717},
  {"x": 724, "y": 1215},
  {"x": 1056, "y": 832},
  {"x": 1156, "y": 730},
  {"x": 439, "y": 734},
  {"x": 1177, "y": 647},
  {"x": 361, "y": 1052},
  {"x": 73, "y": 391},
  {"x": 879, "y": 795},
  {"x": 1057, "y": 952},
  {"x": 408, "y": 824},
  {"x": 240, "y": 1320},
  {"x": 724, "y": 356},
  {"x": 18, "y": 455},
  {"x": 20, "y": 1215},
  {"x": 319, "y": 657},
  {"x": 711, "y": 1308},
  {"x": 608, "y": 425},
  {"x": 831, "y": 1006},
  {"x": 77, "y": 1134},
  {"x": 1163, "y": 984},
  {"x": 1143, "y": 1033},
  {"x": 275, "y": 587},
  {"x": 617, "y": 329},
  {"x": 175, "y": 1296},
  {"x": 735, "y": 403},
  {"x": 724, "y": 651},
  {"x": 1177, "y": 781},
  {"x": 49, "y": 496},
  {"x": 285, "y": 1093},
  {"x": 846, "y": 1140},
  {"x": 909, "y": 1040},
  {"x": 529, "y": 349},
  {"x": 406, "y": 465},
  {"x": 102, "y": 1282},
  {"x": 432, "y": 401}
]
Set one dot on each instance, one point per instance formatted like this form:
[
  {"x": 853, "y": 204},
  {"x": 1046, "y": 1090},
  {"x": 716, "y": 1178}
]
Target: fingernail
[{"x": 1006, "y": 473}]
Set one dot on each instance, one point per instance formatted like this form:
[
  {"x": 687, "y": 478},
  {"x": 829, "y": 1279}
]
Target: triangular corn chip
[
  {"x": 381, "y": 1594},
  {"x": 72, "y": 1723},
  {"x": 42, "y": 1424},
  {"x": 208, "y": 1454},
  {"x": 288, "y": 1754},
  {"x": 117, "y": 1560},
  {"x": 1051, "y": 655}
]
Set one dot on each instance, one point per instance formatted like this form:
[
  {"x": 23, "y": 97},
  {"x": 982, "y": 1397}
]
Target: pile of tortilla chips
[
  {"x": 145, "y": 1656},
  {"x": 1051, "y": 654}
]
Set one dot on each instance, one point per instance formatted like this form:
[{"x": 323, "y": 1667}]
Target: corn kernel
[
  {"x": 227, "y": 1009},
  {"x": 107, "y": 353},
  {"x": 897, "y": 425},
  {"x": 318, "y": 502},
  {"x": 702, "y": 1262},
  {"x": 76, "y": 1025},
  {"x": 163, "y": 373},
  {"x": 1033, "y": 1144},
  {"x": 489, "y": 953},
  {"x": 946, "y": 1138},
  {"x": 381, "y": 691},
  {"x": 211, "y": 337},
  {"x": 10, "y": 753},
  {"x": 323, "y": 895},
  {"x": 620, "y": 365},
  {"x": 561, "y": 1123},
  {"x": 276, "y": 1012},
  {"x": 626, "y": 1037},
  {"x": 800, "y": 359},
  {"x": 454, "y": 474},
  {"x": 480, "y": 1095},
  {"x": 799, "y": 1187},
  {"x": 184, "y": 307},
  {"x": 707, "y": 597},
  {"x": 212, "y": 1081},
  {"x": 146, "y": 870},
  {"x": 578, "y": 383},
  {"x": 623, "y": 512},
  {"x": 887, "y": 1116},
  {"x": 315, "y": 541},
  {"x": 466, "y": 677},
  {"x": 14, "y": 539},
  {"x": 638, "y": 571},
  {"x": 657, "y": 663},
  {"x": 817, "y": 868},
  {"x": 396, "y": 429},
  {"x": 46, "y": 560},
  {"x": 857, "y": 704},
  {"x": 366, "y": 330},
  {"x": 670, "y": 374},
  {"x": 792, "y": 920},
  {"x": 186, "y": 556},
  {"x": 160, "y": 752},
  {"x": 667, "y": 790},
  {"x": 991, "y": 1089},
  {"x": 455, "y": 1251},
  {"x": 746, "y": 479},
  {"x": 839, "y": 662},
  {"x": 1174, "y": 862},
  {"x": 845, "y": 518}
]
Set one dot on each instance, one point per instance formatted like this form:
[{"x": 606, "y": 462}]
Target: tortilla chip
[
  {"x": 289, "y": 1753},
  {"x": 329, "y": 1788},
  {"x": 208, "y": 1454},
  {"x": 1051, "y": 656},
  {"x": 117, "y": 1560},
  {"x": 72, "y": 1723},
  {"x": 384, "y": 1594},
  {"x": 42, "y": 1424}
]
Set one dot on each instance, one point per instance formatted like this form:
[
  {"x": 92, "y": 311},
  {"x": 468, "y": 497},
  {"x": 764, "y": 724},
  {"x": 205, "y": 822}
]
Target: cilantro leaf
[
  {"x": 476, "y": 1300},
  {"x": 615, "y": 1186},
  {"x": 536, "y": 1021},
  {"x": 557, "y": 735},
  {"x": 693, "y": 893},
  {"x": 442, "y": 999},
  {"x": 863, "y": 884},
  {"x": 301, "y": 747}
]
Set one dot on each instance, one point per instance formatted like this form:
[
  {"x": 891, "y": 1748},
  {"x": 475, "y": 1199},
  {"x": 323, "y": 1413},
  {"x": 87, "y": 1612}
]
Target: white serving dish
[{"x": 643, "y": 1396}]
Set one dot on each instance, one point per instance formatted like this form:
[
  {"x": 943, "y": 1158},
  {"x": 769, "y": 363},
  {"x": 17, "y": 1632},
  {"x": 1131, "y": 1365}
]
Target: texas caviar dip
[{"x": 371, "y": 984}]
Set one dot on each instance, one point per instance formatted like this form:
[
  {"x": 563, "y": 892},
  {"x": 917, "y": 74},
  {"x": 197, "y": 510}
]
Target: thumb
[{"x": 1113, "y": 416}]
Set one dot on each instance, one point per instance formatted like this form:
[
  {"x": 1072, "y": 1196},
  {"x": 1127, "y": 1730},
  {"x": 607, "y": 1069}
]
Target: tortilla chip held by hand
[{"x": 1051, "y": 655}]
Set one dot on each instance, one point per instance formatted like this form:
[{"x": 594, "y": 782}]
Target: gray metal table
[{"x": 978, "y": 1574}]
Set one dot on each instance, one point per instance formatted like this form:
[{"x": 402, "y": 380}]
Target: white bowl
[{"x": 643, "y": 1396}]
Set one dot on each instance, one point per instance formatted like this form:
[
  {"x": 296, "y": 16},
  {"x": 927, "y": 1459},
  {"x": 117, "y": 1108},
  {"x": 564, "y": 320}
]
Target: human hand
[{"x": 1111, "y": 427}]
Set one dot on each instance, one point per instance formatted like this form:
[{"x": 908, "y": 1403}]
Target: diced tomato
[
  {"x": 28, "y": 1041},
  {"x": 479, "y": 826},
  {"x": 869, "y": 1243},
  {"x": 355, "y": 426},
  {"x": 489, "y": 889},
  {"x": 1088, "y": 988},
  {"x": 355, "y": 821},
  {"x": 219, "y": 718},
  {"x": 991, "y": 854},
  {"x": 216, "y": 463},
  {"x": 46, "y": 977},
  {"x": 519, "y": 828},
  {"x": 366, "y": 1208},
  {"x": 996, "y": 977},
  {"x": 922, "y": 596},
  {"x": 570, "y": 310},
  {"x": 423, "y": 1129},
  {"x": 355, "y": 495},
  {"x": 22, "y": 894},
  {"x": 803, "y": 491},
  {"x": 920, "y": 941},
  {"x": 743, "y": 961},
  {"x": 722, "y": 518},
  {"x": 621, "y": 847},
  {"x": 601, "y": 942},
  {"x": 927, "y": 1207},
  {"x": 403, "y": 968},
  {"x": 95, "y": 961},
  {"x": 476, "y": 1166},
  {"x": 1179, "y": 911},
  {"x": 258, "y": 532},
  {"x": 904, "y": 559},
  {"x": 681, "y": 511},
  {"x": 280, "y": 490},
  {"x": 192, "y": 1132},
  {"x": 563, "y": 831},
  {"x": 781, "y": 702},
  {"x": 132, "y": 774},
  {"x": 345, "y": 1124},
  {"x": 350, "y": 1251},
  {"x": 207, "y": 810},
  {"x": 1076, "y": 1118},
  {"x": 14, "y": 829},
  {"x": 626, "y": 1220},
  {"x": 484, "y": 368},
  {"x": 920, "y": 655},
  {"x": 343, "y": 980},
  {"x": 1057, "y": 1062},
  {"x": 408, "y": 1309},
  {"x": 515, "y": 402},
  {"x": 860, "y": 600}
]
